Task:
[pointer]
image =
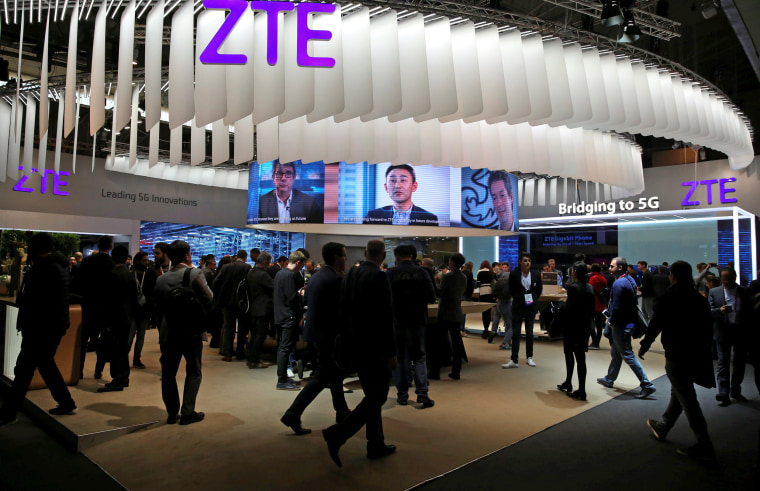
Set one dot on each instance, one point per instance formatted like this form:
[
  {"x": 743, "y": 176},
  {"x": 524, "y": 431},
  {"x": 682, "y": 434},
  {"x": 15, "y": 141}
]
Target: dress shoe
[
  {"x": 60, "y": 410},
  {"x": 402, "y": 402},
  {"x": 226, "y": 358},
  {"x": 454, "y": 376},
  {"x": 723, "y": 400},
  {"x": 294, "y": 425},
  {"x": 195, "y": 417},
  {"x": 425, "y": 401},
  {"x": 578, "y": 395},
  {"x": 511, "y": 364},
  {"x": 258, "y": 364},
  {"x": 604, "y": 382},
  {"x": 379, "y": 451},
  {"x": 739, "y": 398},
  {"x": 333, "y": 446},
  {"x": 490, "y": 337},
  {"x": 138, "y": 365},
  {"x": 299, "y": 368},
  {"x": 565, "y": 387},
  {"x": 111, "y": 387},
  {"x": 646, "y": 392},
  {"x": 593, "y": 346},
  {"x": 659, "y": 430},
  {"x": 172, "y": 419},
  {"x": 530, "y": 362},
  {"x": 294, "y": 382},
  {"x": 287, "y": 386},
  {"x": 484, "y": 334}
]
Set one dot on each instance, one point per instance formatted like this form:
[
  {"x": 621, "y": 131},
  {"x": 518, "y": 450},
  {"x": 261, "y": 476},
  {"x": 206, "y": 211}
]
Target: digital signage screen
[{"x": 382, "y": 194}]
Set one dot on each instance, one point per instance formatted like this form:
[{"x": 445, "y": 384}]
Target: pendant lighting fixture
[
  {"x": 631, "y": 32},
  {"x": 611, "y": 14}
]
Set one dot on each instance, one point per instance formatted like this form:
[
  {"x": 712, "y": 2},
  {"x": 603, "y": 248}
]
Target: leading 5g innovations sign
[{"x": 304, "y": 34}]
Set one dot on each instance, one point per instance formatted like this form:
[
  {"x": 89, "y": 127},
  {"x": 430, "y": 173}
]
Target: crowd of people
[{"x": 373, "y": 321}]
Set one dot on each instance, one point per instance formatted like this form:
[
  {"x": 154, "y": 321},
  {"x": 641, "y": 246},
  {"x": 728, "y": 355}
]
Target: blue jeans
[
  {"x": 622, "y": 351},
  {"x": 410, "y": 346}
]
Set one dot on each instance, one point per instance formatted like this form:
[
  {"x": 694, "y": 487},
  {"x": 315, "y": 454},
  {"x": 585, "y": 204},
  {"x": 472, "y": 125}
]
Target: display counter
[{"x": 467, "y": 308}]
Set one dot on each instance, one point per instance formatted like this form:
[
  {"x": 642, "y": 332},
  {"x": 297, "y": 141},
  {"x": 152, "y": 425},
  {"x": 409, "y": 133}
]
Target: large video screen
[{"x": 381, "y": 194}]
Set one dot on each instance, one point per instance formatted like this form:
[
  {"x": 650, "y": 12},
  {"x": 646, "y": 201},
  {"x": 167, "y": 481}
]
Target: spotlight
[
  {"x": 611, "y": 14},
  {"x": 709, "y": 9},
  {"x": 631, "y": 31}
]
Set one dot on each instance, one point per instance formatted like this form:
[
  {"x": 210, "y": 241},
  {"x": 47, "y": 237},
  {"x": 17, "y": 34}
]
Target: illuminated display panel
[{"x": 382, "y": 194}]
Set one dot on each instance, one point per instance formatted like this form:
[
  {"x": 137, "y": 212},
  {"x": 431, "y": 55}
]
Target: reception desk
[
  {"x": 67, "y": 357},
  {"x": 467, "y": 308}
]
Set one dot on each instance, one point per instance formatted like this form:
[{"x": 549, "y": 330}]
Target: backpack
[
  {"x": 405, "y": 289},
  {"x": 501, "y": 290},
  {"x": 186, "y": 315},
  {"x": 242, "y": 299},
  {"x": 604, "y": 295}
]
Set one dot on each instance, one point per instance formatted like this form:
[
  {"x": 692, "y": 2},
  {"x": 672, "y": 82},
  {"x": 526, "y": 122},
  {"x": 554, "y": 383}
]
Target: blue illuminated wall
[
  {"x": 509, "y": 250},
  {"x": 726, "y": 248},
  {"x": 219, "y": 241}
]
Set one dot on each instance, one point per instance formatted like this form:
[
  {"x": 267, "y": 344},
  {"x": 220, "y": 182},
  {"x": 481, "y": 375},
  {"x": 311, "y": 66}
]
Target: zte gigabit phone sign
[{"x": 211, "y": 54}]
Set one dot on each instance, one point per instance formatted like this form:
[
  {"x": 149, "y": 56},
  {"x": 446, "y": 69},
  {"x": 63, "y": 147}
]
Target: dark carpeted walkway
[{"x": 610, "y": 447}]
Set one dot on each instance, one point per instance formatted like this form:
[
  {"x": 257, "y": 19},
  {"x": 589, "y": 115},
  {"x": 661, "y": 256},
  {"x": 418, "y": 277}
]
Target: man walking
[
  {"x": 179, "y": 342},
  {"x": 450, "y": 312},
  {"x": 682, "y": 315},
  {"x": 366, "y": 302},
  {"x": 320, "y": 328},
  {"x": 43, "y": 319},
  {"x": 622, "y": 309},
  {"x": 412, "y": 292}
]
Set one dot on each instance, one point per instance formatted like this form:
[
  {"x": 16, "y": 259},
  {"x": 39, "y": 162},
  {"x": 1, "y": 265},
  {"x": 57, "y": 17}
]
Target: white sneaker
[
  {"x": 290, "y": 373},
  {"x": 511, "y": 364},
  {"x": 530, "y": 362}
]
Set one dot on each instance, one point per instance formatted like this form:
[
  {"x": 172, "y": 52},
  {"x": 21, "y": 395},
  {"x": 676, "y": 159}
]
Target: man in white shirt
[{"x": 284, "y": 204}]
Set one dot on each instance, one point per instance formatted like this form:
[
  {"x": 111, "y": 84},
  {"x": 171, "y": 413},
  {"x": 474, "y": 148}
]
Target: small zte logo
[{"x": 58, "y": 182}]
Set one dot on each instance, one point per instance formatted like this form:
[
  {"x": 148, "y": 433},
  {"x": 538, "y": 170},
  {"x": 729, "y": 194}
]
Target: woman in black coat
[
  {"x": 485, "y": 280},
  {"x": 577, "y": 324}
]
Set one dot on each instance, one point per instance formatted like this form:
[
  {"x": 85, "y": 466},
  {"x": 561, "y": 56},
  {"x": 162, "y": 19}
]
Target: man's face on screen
[
  {"x": 283, "y": 176},
  {"x": 502, "y": 203},
  {"x": 400, "y": 185}
]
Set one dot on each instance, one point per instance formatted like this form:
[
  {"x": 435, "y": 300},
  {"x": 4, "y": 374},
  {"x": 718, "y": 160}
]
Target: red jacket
[{"x": 597, "y": 281}]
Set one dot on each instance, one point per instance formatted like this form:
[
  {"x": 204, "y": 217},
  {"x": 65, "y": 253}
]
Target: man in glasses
[
  {"x": 284, "y": 204},
  {"x": 400, "y": 183}
]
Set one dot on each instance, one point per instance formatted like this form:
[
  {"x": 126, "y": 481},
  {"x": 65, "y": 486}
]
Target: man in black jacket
[
  {"x": 366, "y": 303},
  {"x": 526, "y": 288},
  {"x": 225, "y": 288},
  {"x": 260, "y": 287},
  {"x": 93, "y": 277},
  {"x": 450, "y": 312},
  {"x": 683, "y": 317},
  {"x": 43, "y": 319},
  {"x": 288, "y": 315}
]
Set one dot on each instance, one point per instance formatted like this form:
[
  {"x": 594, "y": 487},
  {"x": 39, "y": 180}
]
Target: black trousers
[
  {"x": 37, "y": 353},
  {"x": 172, "y": 352},
  {"x": 457, "y": 345},
  {"x": 374, "y": 377},
  {"x": 327, "y": 375},
  {"x": 113, "y": 347},
  {"x": 683, "y": 398},
  {"x": 259, "y": 331}
]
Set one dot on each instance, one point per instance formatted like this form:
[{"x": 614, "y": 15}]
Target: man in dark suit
[
  {"x": 727, "y": 304},
  {"x": 366, "y": 303},
  {"x": 284, "y": 204},
  {"x": 43, "y": 319},
  {"x": 450, "y": 312},
  {"x": 682, "y": 317},
  {"x": 320, "y": 328},
  {"x": 288, "y": 316},
  {"x": 225, "y": 287},
  {"x": 526, "y": 289},
  {"x": 260, "y": 286},
  {"x": 400, "y": 183},
  {"x": 412, "y": 292}
]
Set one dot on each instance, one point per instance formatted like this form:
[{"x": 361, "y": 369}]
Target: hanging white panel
[
  {"x": 530, "y": 187},
  {"x": 553, "y": 192},
  {"x": 700, "y": 101},
  {"x": 579, "y": 153},
  {"x": 643, "y": 97},
  {"x": 568, "y": 138},
  {"x": 515, "y": 78},
  {"x": 357, "y": 73},
  {"x": 133, "y": 130},
  {"x": 440, "y": 68},
  {"x": 220, "y": 142},
  {"x": 315, "y": 140},
  {"x": 240, "y": 78},
  {"x": 76, "y": 132},
  {"x": 210, "y": 79},
  {"x": 415, "y": 88},
  {"x": 154, "y": 32},
  {"x": 243, "y": 150},
  {"x": 578, "y": 85},
  {"x": 267, "y": 136},
  {"x": 268, "y": 81},
  {"x": 691, "y": 111},
  {"x": 386, "y": 141},
  {"x": 299, "y": 81},
  {"x": 182, "y": 174},
  {"x": 540, "y": 150},
  {"x": 220, "y": 178},
  {"x": 600, "y": 111},
  {"x": 175, "y": 146},
  {"x": 666, "y": 83},
  {"x": 430, "y": 142},
  {"x": 43, "y": 120},
  {"x": 559, "y": 84},
  {"x": 362, "y": 142},
  {"x": 554, "y": 147},
  {"x": 42, "y": 153},
  {"x": 466, "y": 72},
  {"x": 525, "y": 158},
  {"x": 98, "y": 72},
  {"x": 490, "y": 146},
  {"x": 6, "y": 116},
  {"x": 541, "y": 192},
  {"x": 658, "y": 104},
  {"x": 31, "y": 113},
  {"x": 408, "y": 141},
  {"x": 538, "y": 83},
  {"x": 126, "y": 56},
  {"x": 472, "y": 151},
  {"x": 291, "y": 141},
  {"x": 590, "y": 151},
  {"x": 339, "y": 136},
  {"x": 384, "y": 56},
  {"x": 181, "y": 77},
  {"x": 630, "y": 101},
  {"x": 113, "y": 132},
  {"x": 153, "y": 145},
  {"x": 59, "y": 134},
  {"x": 683, "y": 117},
  {"x": 520, "y": 191},
  {"x": 71, "y": 71},
  {"x": 197, "y": 143},
  {"x": 451, "y": 143},
  {"x": 492, "y": 86},
  {"x": 612, "y": 92},
  {"x": 328, "y": 82},
  {"x": 508, "y": 143}
]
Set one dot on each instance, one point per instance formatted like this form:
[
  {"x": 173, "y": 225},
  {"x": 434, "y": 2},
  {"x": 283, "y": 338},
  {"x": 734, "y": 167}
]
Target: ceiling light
[
  {"x": 631, "y": 31},
  {"x": 611, "y": 14}
]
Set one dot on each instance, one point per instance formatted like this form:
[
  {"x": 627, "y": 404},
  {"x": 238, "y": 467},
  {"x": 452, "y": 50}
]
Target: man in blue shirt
[{"x": 622, "y": 317}]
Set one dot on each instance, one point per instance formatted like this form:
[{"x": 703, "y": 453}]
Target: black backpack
[
  {"x": 242, "y": 300},
  {"x": 186, "y": 315}
]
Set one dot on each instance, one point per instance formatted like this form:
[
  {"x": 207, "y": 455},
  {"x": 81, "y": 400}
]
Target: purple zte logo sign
[
  {"x": 708, "y": 183},
  {"x": 211, "y": 54},
  {"x": 57, "y": 182}
]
